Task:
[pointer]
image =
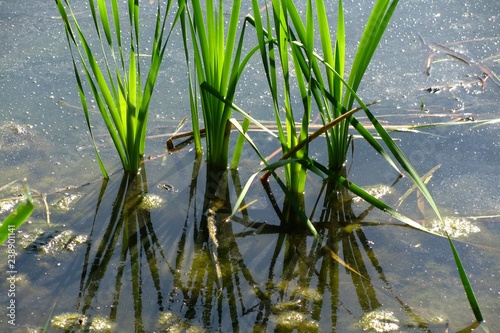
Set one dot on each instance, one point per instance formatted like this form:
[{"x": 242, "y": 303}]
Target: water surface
[{"x": 110, "y": 261}]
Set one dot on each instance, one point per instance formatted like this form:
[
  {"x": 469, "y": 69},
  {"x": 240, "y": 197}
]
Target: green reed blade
[
  {"x": 205, "y": 86},
  {"x": 117, "y": 26},
  {"x": 268, "y": 58},
  {"x": 466, "y": 283},
  {"x": 339, "y": 48},
  {"x": 271, "y": 167},
  {"x": 323, "y": 171},
  {"x": 193, "y": 90},
  {"x": 352, "y": 120},
  {"x": 18, "y": 216},
  {"x": 238, "y": 149},
  {"x": 484, "y": 327},
  {"x": 83, "y": 101},
  {"x": 373, "y": 32},
  {"x": 103, "y": 15}
]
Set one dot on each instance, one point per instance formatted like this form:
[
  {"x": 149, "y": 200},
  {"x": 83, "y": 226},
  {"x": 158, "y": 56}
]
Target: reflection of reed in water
[
  {"x": 214, "y": 286},
  {"x": 130, "y": 235},
  {"x": 291, "y": 284}
]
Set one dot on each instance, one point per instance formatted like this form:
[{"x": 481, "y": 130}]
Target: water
[{"x": 88, "y": 265}]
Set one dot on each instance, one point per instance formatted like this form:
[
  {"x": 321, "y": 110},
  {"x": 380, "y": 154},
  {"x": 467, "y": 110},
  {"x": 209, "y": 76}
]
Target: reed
[
  {"x": 322, "y": 77},
  {"x": 114, "y": 72},
  {"x": 277, "y": 52},
  {"x": 217, "y": 62}
]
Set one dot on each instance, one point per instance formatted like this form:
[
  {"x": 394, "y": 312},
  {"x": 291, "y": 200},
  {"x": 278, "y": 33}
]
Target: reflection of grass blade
[
  {"x": 49, "y": 319},
  {"x": 213, "y": 247},
  {"x": 17, "y": 217},
  {"x": 382, "y": 206},
  {"x": 346, "y": 265},
  {"x": 129, "y": 238}
]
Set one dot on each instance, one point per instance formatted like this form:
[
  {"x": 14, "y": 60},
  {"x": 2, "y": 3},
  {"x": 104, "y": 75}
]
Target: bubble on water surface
[
  {"x": 454, "y": 226},
  {"x": 151, "y": 201},
  {"x": 379, "y": 321}
]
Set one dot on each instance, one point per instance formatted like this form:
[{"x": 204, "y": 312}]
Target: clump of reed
[
  {"x": 320, "y": 81},
  {"x": 217, "y": 62},
  {"x": 114, "y": 73},
  {"x": 320, "y": 77}
]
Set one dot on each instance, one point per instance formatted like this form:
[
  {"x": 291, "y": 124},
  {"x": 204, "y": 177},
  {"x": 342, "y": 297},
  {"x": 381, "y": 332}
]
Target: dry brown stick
[
  {"x": 452, "y": 53},
  {"x": 47, "y": 210},
  {"x": 459, "y": 56}
]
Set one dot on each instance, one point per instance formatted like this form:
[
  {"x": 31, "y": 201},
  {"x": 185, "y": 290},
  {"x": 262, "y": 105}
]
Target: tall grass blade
[
  {"x": 49, "y": 319},
  {"x": 193, "y": 90},
  {"x": 85, "y": 108},
  {"x": 205, "y": 86},
  {"x": 372, "y": 34},
  {"x": 326, "y": 173}
]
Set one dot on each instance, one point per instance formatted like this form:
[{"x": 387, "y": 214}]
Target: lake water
[{"x": 104, "y": 263}]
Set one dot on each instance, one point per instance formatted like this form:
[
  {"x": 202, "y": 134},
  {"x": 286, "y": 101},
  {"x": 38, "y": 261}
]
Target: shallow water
[{"x": 155, "y": 269}]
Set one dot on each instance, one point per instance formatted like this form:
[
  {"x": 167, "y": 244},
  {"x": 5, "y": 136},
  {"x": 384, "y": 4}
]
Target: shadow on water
[{"x": 206, "y": 273}]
